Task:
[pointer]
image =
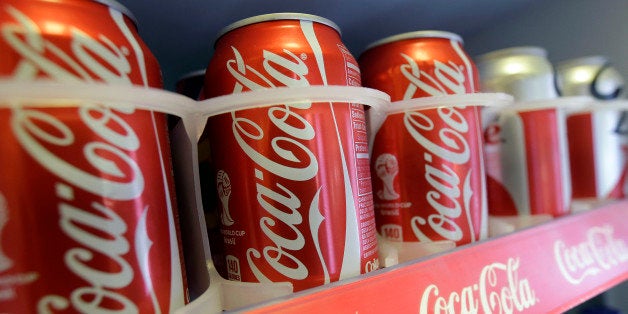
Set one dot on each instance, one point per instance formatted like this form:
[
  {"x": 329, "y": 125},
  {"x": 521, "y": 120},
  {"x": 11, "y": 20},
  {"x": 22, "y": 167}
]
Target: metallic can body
[
  {"x": 534, "y": 161},
  {"x": 419, "y": 64},
  {"x": 500, "y": 201},
  {"x": 429, "y": 182},
  {"x": 86, "y": 192},
  {"x": 430, "y": 185},
  {"x": 523, "y": 72},
  {"x": 293, "y": 181},
  {"x": 598, "y": 140},
  {"x": 589, "y": 76},
  {"x": 597, "y": 146}
]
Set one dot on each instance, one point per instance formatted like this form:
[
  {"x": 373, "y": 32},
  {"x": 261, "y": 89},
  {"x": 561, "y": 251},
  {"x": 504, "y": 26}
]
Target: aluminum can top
[
  {"x": 515, "y": 61},
  {"x": 591, "y": 76},
  {"x": 419, "y": 64},
  {"x": 278, "y": 17},
  {"x": 524, "y": 72},
  {"x": 120, "y": 8},
  {"x": 415, "y": 35}
]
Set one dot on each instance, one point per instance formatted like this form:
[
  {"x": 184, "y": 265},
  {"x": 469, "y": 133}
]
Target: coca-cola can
[
  {"x": 523, "y": 72},
  {"x": 427, "y": 163},
  {"x": 293, "y": 180},
  {"x": 87, "y": 217},
  {"x": 527, "y": 75},
  {"x": 592, "y": 76},
  {"x": 534, "y": 158},
  {"x": 598, "y": 152},
  {"x": 598, "y": 134}
]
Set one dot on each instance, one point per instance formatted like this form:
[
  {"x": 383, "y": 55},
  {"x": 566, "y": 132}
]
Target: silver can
[
  {"x": 591, "y": 76},
  {"x": 523, "y": 72},
  {"x": 598, "y": 134}
]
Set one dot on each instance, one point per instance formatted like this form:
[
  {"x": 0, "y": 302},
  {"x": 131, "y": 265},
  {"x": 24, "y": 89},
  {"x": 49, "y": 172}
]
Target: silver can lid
[
  {"x": 513, "y": 51},
  {"x": 416, "y": 34},
  {"x": 120, "y": 8},
  {"x": 588, "y": 60},
  {"x": 278, "y": 17}
]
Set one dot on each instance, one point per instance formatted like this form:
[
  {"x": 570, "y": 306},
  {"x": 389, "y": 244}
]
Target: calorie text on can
[
  {"x": 86, "y": 192},
  {"x": 424, "y": 192},
  {"x": 292, "y": 179}
]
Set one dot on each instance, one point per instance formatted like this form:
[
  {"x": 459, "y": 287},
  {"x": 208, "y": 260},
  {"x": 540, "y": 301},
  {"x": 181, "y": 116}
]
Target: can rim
[
  {"x": 513, "y": 51},
  {"x": 119, "y": 7},
  {"x": 587, "y": 60},
  {"x": 277, "y": 17},
  {"x": 416, "y": 34}
]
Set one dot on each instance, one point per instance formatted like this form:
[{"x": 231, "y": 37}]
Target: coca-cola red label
[
  {"x": 443, "y": 160},
  {"x": 430, "y": 175},
  {"x": 86, "y": 191},
  {"x": 292, "y": 180}
]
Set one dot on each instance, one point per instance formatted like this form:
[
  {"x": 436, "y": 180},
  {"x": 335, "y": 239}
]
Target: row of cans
[
  {"x": 300, "y": 199},
  {"x": 428, "y": 174},
  {"x": 574, "y": 146},
  {"x": 293, "y": 191}
]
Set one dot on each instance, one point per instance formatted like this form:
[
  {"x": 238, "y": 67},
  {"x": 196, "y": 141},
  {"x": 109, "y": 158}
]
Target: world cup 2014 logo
[
  {"x": 223, "y": 184},
  {"x": 387, "y": 168}
]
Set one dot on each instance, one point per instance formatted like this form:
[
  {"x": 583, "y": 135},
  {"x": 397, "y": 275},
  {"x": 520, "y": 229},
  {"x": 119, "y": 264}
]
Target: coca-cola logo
[
  {"x": 600, "y": 251},
  {"x": 98, "y": 231},
  {"x": 449, "y": 193},
  {"x": 492, "y": 134},
  {"x": 293, "y": 161},
  {"x": 500, "y": 289},
  {"x": 37, "y": 53},
  {"x": 448, "y": 78}
]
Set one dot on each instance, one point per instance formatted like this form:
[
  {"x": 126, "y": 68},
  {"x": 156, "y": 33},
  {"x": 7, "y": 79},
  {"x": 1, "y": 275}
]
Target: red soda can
[
  {"x": 430, "y": 181},
  {"x": 293, "y": 180},
  {"x": 87, "y": 217}
]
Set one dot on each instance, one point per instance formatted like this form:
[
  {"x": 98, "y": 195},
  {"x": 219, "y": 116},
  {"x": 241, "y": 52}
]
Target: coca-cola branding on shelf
[
  {"x": 500, "y": 289},
  {"x": 600, "y": 251},
  {"x": 86, "y": 195},
  {"x": 293, "y": 179},
  {"x": 431, "y": 178}
]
